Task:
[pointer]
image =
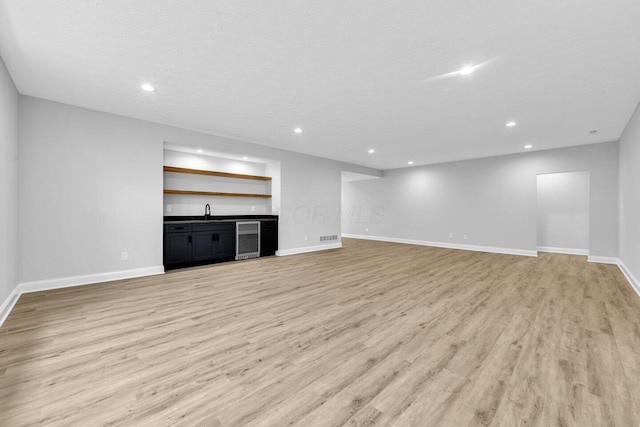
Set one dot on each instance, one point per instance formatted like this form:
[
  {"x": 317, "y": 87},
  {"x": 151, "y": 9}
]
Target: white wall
[
  {"x": 563, "y": 212},
  {"x": 272, "y": 169},
  {"x": 8, "y": 186},
  {"x": 492, "y": 200},
  {"x": 630, "y": 197},
  {"x": 91, "y": 187}
]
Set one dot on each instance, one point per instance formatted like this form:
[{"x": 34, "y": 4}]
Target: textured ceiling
[{"x": 353, "y": 74}]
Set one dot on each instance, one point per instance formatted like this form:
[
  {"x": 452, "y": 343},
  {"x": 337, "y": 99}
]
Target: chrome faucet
[{"x": 207, "y": 211}]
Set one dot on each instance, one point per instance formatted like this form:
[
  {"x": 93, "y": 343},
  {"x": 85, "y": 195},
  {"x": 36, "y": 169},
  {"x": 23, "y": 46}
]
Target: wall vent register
[{"x": 247, "y": 239}]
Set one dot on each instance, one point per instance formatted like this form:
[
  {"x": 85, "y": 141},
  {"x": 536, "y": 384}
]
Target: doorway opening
[{"x": 563, "y": 212}]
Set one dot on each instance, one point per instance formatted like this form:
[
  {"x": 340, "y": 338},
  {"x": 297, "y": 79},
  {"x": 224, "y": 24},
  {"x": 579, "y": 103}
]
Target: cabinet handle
[
  {"x": 213, "y": 237},
  {"x": 189, "y": 238}
]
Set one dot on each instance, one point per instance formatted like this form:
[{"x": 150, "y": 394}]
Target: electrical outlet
[
  {"x": 253, "y": 208},
  {"x": 465, "y": 237},
  {"x": 305, "y": 238},
  {"x": 366, "y": 229},
  {"x": 168, "y": 208},
  {"x": 125, "y": 256},
  {"x": 451, "y": 235}
]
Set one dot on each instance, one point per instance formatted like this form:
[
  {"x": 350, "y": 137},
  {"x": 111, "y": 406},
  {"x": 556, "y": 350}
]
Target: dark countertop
[{"x": 218, "y": 218}]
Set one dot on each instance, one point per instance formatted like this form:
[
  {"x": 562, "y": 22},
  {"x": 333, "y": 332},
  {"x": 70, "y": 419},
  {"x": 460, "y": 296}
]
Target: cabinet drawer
[
  {"x": 216, "y": 226},
  {"x": 177, "y": 228}
]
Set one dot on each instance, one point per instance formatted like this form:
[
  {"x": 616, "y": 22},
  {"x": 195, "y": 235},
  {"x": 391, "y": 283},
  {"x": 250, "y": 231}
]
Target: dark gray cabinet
[
  {"x": 203, "y": 242},
  {"x": 213, "y": 241},
  {"x": 198, "y": 243},
  {"x": 177, "y": 244},
  {"x": 227, "y": 242},
  {"x": 203, "y": 245},
  {"x": 268, "y": 238}
]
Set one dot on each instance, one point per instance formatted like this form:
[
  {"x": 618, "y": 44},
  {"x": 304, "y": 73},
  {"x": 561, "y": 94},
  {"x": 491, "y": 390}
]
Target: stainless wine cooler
[{"x": 247, "y": 239}]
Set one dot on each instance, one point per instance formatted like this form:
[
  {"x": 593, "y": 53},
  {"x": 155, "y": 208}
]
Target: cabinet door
[
  {"x": 226, "y": 242},
  {"x": 204, "y": 245},
  {"x": 268, "y": 238},
  {"x": 177, "y": 248}
]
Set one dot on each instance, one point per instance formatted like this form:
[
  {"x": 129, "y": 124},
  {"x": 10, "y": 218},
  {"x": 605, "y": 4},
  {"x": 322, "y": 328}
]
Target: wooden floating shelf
[
  {"x": 216, "y": 173},
  {"x": 216, "y": 193}
]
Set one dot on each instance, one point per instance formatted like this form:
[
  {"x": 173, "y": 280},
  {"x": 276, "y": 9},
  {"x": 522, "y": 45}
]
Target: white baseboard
[
  {"x": 635, "y": 283},
  {"x": 65, "y": 282},
  {"x": 306, "y": 249},
  {"x": 567, "y": 251},
  {"x": 8, "y": 304},
  {"x": 490, "y": 249},
  {"x": 603, "y": 260}
]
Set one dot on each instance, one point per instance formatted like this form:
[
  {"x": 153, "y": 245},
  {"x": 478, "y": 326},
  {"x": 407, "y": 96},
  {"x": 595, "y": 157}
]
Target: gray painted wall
[
  {"x": 492, "y": 200},
  {"x": 630, "y": 195},
  {"x": 8, "y": 184},
  {"x": 91, "y": 187}
]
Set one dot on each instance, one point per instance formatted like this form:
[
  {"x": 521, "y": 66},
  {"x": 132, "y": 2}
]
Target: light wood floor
[{"x": 371, "y": 334}]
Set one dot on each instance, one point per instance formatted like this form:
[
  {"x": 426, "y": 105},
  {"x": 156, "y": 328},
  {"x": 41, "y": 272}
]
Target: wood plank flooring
[{"x": 372, "y": 334}]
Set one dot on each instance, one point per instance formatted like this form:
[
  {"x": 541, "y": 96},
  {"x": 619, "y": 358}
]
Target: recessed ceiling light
[
  {"x": 371, "y": 151},
  {"x": 148, "y": 87},
  {"x": 297, "y": 130},
  {"x": 594, "y": 131},
  {"x": 410, "y": 162},
  {"x": 528, "y": 146},
  {"x": 245, "y": 158},
  {"x": 466, "y": 70},
  {"x": 199, "y": 150},
  {"x": 510, "y": 124}
]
